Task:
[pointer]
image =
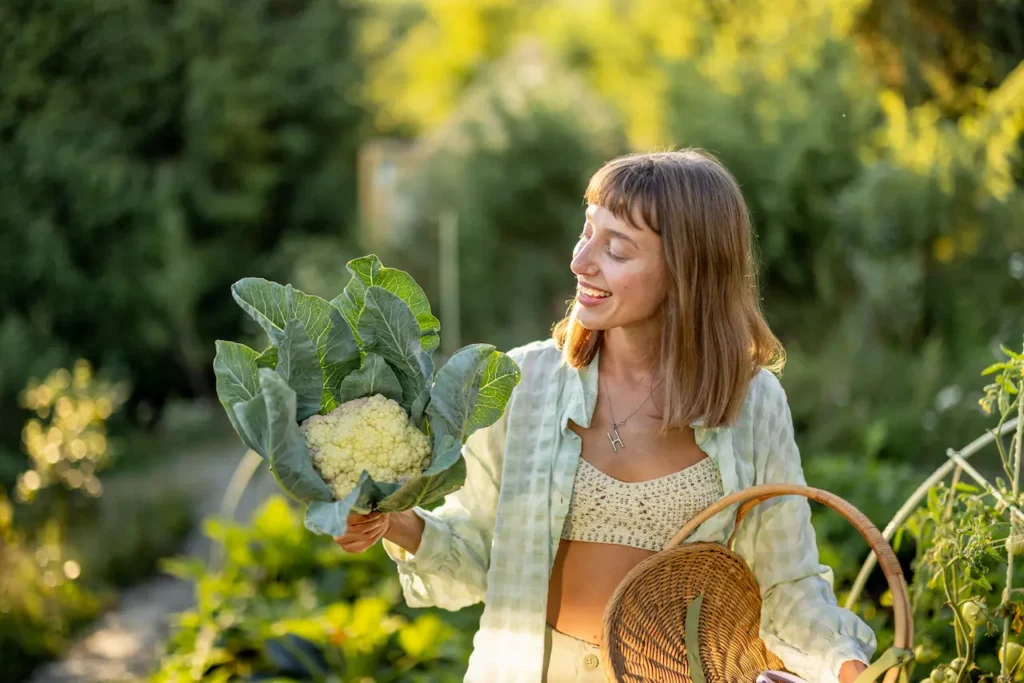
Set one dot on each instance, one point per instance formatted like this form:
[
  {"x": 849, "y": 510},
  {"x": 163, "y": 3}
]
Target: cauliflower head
[{"x": 372, "y": 433}]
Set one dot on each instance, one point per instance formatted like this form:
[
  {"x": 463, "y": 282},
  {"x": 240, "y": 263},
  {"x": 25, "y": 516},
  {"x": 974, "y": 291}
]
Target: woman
[{"x": 655, "y": 397}]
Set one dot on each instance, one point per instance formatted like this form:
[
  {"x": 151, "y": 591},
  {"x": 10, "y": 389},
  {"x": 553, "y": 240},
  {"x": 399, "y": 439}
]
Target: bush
[
  {"x": 152, "y": 153},
  {"x": 289, "y": 605}
]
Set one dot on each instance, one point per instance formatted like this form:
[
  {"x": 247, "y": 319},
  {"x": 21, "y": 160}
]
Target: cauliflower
[{"x": 372, "y": 433}]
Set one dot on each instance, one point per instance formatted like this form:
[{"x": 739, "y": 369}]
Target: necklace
[{"x": 613, "y": 435}]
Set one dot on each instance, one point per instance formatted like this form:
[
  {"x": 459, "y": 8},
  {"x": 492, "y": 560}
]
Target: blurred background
[{"x": 153, "y": 152}]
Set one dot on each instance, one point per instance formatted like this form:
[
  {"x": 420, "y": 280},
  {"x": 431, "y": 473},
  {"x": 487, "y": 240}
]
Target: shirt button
[{"x": 590, "y": 662}]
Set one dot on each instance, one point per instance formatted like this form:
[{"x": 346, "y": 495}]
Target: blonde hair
[{"x": 714, "y": 336}]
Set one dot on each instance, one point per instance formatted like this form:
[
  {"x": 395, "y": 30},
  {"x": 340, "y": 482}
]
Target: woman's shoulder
[
  {"x": 766, "y": 399},
  {"x": 536, "y": 357}
]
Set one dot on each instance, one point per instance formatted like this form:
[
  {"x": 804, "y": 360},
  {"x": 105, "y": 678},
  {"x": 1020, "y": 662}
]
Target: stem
[
  {"x": 1013, "y": 528},
  {"x": 964, "y": 628},
  {"x": 240, "y": 479},
  {"x": 997, "y": 433},
  {"x": 952, "y": 493}
]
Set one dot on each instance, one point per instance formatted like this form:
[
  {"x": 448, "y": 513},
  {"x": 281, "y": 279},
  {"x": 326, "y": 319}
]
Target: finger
[
  {"x": 355, "y": 547},
  {"x": 363, "y": 533},
  {"x": 359, "y": 520},
  {"x": 367, "y": 527}
]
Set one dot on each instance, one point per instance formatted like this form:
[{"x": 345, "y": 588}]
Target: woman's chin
[{"x": 590, "y": 320}]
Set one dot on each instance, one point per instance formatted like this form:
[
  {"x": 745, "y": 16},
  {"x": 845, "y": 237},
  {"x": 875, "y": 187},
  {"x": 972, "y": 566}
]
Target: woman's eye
[{"x": 617, "y": 258}]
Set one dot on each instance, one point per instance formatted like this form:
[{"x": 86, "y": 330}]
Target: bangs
[{"x": 629, "y": 188}]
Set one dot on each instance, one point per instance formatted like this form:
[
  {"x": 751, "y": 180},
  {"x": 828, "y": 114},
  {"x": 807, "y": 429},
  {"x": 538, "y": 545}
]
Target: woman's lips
[{"x": 589, "y": 297}]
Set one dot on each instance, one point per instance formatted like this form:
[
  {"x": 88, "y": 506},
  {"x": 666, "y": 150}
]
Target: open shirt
[{"x": 495, "y": 539}]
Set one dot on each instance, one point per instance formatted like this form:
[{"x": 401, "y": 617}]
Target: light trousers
[{"x": 570, "y": 660}]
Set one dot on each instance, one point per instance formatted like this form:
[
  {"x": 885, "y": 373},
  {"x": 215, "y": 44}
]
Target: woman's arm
[
  {"x": 800, "y": 618},
  {"x": 404, "y": 529},
  {"x": 443, "y": 555}
]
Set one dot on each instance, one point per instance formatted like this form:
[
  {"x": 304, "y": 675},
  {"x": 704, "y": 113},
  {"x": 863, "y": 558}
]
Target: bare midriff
[
  {"x": 582, "y": 581},
  {"x": 585, "y": 574}
]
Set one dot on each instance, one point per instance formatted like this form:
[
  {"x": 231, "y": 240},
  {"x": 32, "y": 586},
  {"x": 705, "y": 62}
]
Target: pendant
[{"x": 617, "y": 441}]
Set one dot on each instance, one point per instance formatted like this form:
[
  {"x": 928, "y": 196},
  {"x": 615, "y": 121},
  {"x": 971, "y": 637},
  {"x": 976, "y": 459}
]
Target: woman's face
[{"x": 620, "y": 272}]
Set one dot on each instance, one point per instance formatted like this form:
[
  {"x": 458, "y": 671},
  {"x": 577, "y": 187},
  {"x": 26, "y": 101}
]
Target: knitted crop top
[{"x": 642, "y": 514}]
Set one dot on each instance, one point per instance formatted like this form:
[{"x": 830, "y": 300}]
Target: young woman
[{"x": 655, "y": 397}]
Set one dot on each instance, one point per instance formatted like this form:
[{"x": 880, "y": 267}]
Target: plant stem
[
  {"x": 948, "y": 584},
  {"x": 1013, "y": 529}
]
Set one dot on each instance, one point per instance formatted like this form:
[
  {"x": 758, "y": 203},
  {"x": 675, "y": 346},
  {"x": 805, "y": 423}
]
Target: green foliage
[
  {"x": 55, "y": 577},
  {"x": 877, "y": 226},
  {"x": 40, "y": 600},
  {"x": 287, "y": 605},
  {"x": 152, "y": 153},
  {"x": 512, "y": 164}
]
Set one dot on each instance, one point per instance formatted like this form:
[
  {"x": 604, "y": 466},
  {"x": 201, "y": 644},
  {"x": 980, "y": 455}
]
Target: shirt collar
[{"x": 582, "y": 386}]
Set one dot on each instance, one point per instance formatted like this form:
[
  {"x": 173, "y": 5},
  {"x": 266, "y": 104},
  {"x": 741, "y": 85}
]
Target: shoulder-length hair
[{"x": 714, "y": 336}]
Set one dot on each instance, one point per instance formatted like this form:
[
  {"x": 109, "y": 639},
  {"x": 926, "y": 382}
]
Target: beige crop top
[{"x": 642, "y": 514}]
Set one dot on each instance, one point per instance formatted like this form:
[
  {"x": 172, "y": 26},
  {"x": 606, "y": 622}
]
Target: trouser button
[{"x": 591, "y": 662}]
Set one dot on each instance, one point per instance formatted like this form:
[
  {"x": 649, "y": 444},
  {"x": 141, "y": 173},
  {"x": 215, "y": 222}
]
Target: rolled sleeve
[{"x": 435, "y": 546}]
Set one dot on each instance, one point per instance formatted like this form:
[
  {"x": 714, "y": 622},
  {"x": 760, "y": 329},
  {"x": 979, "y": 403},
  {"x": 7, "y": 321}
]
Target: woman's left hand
[{"x": 850, "y": 670}]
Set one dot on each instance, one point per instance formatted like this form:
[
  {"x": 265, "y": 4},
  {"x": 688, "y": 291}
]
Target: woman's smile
[{"x": 591, "y": 296}]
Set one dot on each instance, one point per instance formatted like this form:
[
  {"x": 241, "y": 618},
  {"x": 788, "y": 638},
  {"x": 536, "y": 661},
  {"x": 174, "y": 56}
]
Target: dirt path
[{"x": 124, "y": 644}]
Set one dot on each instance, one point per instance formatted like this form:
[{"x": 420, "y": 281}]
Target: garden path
[{"x": 124, "y": 644}]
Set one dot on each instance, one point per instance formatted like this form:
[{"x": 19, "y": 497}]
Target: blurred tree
[
  {"x": 512, "y": 163},
  {"x": 151, "y": 153},
  {"x": 887, "y": 231},
  {"x": 942, "y": 51}
]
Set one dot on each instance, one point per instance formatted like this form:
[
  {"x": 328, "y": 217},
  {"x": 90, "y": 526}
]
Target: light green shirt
[{"x": 495, "y": 539}]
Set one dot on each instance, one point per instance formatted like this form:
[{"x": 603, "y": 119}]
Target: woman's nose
[{"x": 582, "y": 264}]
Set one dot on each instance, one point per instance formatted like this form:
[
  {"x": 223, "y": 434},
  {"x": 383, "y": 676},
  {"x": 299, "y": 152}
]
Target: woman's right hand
[{"x": 363, "y": 531}]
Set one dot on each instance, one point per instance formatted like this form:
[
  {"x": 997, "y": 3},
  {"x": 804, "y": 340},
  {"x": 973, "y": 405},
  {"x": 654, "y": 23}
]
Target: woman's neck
[{"x": 630, "y": 356}]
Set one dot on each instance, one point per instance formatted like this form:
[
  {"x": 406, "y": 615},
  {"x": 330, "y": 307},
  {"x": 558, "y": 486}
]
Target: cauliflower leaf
[{"x": 368, "y": 272}]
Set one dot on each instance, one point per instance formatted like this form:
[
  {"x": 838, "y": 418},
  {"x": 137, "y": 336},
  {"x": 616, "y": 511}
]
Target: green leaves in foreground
[{"x": 375, "y": 338}]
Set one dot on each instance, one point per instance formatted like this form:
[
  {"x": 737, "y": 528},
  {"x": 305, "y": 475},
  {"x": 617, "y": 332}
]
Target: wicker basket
[{"x": 643, "y": 637}]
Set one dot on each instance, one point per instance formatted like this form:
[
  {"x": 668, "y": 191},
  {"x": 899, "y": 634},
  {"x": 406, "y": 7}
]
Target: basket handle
[{"x": 750, "y": 497}]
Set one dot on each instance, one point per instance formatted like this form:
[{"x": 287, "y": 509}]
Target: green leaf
[
  {"x": 331, "y": 517},
  {"x": 367, "y": 272},
  {"x": 995, "y": 367},
  {"x": 340, "y": 355},
  {"x": 423, "y": 638},
  {"x": 289, "y": 458},
  {"x": 692, "y": 640},
  {"x": 251, "y": 417},
  {"x": 1007, "y": 385},
  {"x": 268, "y": 303},
  {"x": 298, "y": 365},
  {"x": 267, "y": 359},
  {"x": 272, "y": 305},
  {"x": 375, "y": 377},
  {"x": 388, "y": 328},
  {"x": 446, "y": 474},
  {"x": 934, "y": 506},
  {"x": 235, "y": 368},
  {"x": 1012, "y": 354},
  {"x": 472, "y": 389},
  {"x": 185, "y": 568},
  {"x": 499, "y": 379}
]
